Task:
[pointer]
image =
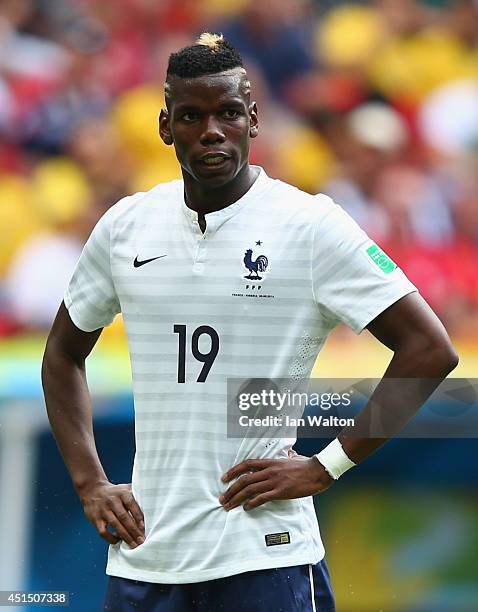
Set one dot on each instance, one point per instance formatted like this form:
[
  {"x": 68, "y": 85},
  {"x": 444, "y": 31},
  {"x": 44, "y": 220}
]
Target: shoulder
[
  {"x": 292, "y": 203},
  {"x": 136, "y": 205},
  {"x": 318, "y": 215}
]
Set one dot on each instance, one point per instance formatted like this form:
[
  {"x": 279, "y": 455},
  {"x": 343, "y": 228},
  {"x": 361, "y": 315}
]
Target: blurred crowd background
[{"x": 374, "y": 103}]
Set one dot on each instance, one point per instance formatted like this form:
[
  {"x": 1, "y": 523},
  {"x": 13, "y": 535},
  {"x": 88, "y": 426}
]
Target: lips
[{"x": 214, "y": 159}]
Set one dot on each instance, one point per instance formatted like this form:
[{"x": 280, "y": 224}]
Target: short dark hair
[{"x": 210, "y": 54}]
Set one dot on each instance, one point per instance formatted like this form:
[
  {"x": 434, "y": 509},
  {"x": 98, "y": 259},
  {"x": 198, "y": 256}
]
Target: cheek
[
  {"x": 182, "y": 136},
  {"x": 246, "y": 143},
  {"x": 180, "y": 146},
  {"x": 241, "y": 137}
]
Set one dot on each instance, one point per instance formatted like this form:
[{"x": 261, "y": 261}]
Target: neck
[{"x": 204, "y": 199}]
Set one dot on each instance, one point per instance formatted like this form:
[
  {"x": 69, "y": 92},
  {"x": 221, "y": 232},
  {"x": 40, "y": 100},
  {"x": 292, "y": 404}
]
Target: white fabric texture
[{"x": 307, "y": 271}]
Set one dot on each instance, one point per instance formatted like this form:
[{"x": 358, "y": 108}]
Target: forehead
[{"x": 209, "y": 88}]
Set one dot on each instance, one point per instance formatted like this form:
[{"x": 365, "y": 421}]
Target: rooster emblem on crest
[{"x": 254, "y": 267}]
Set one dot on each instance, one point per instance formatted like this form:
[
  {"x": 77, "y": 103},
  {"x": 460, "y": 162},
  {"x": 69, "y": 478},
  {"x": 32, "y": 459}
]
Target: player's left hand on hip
[{"x": 263, "y": 480}]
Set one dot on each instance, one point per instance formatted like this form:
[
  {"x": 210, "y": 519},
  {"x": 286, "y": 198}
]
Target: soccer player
[{"x": 226, "y": 273}]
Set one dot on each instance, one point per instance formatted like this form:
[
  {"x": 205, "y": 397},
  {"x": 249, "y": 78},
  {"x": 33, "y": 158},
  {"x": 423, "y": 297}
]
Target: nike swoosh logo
[{"x": 138, "y": 264}]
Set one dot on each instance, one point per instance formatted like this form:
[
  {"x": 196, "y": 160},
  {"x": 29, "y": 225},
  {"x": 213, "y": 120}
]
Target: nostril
[{"x": 212, "y": 137}]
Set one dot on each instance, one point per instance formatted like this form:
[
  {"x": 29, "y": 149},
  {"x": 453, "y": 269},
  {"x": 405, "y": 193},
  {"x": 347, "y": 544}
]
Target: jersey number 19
[{"x": 206, "y": 358}]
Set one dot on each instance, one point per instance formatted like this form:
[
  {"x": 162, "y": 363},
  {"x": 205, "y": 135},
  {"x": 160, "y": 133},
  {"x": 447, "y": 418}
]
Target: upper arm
[
  {"x": 411, "y": 322},
  {"x": 67, "y": 339}
]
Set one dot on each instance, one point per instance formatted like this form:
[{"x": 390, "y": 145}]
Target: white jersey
[{"x": 255, "y": 296}]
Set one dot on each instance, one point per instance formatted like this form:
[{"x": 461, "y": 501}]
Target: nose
[{"x": 212, "y": 131}]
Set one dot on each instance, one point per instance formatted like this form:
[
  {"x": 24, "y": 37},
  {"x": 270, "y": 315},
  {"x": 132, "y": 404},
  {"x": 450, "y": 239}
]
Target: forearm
[
  {"x": 69, "y": 409},
  {"x": 411, "y": 377}
]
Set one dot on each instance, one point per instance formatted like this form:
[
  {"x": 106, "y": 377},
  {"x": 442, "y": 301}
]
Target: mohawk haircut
[{"x": 210, "y": 54}]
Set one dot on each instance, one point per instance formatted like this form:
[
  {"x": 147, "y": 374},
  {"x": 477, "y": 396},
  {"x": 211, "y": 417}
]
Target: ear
[
  {"x": 164, "y": 130},
  {"x": 254, "y": 125}
]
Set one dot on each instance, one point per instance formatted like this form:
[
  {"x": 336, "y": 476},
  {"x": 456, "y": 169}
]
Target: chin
[{"x": 215, "y": 179}]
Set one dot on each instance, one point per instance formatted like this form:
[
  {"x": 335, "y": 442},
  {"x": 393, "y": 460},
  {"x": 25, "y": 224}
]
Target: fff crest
[{"x": 255, "y": 264}]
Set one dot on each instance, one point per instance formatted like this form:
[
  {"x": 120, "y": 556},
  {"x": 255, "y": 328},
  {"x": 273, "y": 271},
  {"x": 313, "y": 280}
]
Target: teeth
[{"x": 210, "y": 161}]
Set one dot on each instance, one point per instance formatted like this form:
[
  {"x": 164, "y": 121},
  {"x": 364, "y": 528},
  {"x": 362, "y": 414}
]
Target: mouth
[{"x": 215, "y": 160}]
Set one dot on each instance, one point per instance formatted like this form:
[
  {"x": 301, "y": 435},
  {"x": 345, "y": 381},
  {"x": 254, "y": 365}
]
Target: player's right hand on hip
[{"x": 113, "y": 505}]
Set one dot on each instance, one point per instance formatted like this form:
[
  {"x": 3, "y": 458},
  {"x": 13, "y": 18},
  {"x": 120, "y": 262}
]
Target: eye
[
  {"x": 189, "y": 117},
  {"x": 231, "y": 113}
]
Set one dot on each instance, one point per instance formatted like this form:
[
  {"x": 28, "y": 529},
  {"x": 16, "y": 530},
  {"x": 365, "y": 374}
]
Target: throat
[{"x": 205, "y": 200}]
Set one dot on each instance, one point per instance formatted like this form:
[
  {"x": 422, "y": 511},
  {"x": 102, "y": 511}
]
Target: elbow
[
  {"x": 443, "y": 358},
  {"x": 429, "y": 357},
  {"x": 450, "y": 359}
]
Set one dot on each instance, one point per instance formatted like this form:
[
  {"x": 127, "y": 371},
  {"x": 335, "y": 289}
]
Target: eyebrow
[
  {"x": 186, "y": 107},
  {"x": 182, "y": 107},
  {"x": 233, "y": 102}
]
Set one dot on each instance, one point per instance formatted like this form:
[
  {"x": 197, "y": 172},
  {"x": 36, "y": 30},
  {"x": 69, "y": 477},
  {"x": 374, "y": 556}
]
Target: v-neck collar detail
[{"x": 216, "y": 218}]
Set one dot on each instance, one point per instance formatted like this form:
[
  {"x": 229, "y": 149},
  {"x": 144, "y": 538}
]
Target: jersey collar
[{"x": 215, "y": 219}]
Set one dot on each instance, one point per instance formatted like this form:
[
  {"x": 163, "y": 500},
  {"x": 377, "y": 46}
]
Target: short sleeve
[
  {"x": 353, "y": 279},
  {"x": 91, "y": 298}
]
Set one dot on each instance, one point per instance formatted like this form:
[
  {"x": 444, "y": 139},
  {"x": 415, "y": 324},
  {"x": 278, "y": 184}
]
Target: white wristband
[{"x": 334, "y": 459}]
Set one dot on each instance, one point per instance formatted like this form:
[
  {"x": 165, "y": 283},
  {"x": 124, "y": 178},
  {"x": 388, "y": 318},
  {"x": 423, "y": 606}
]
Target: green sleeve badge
[{"x": 381, "y": 259}]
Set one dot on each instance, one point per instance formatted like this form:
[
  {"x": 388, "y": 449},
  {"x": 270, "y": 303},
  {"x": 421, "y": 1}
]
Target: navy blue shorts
[{"x": 302, "y": 588}]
